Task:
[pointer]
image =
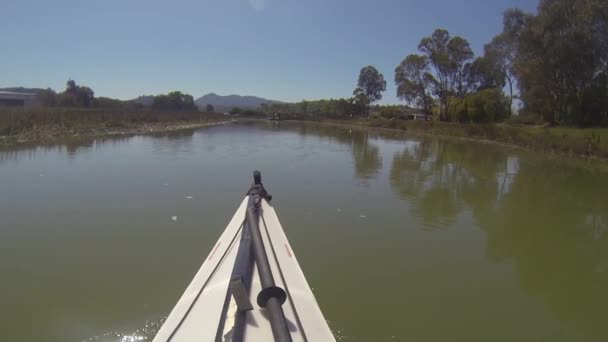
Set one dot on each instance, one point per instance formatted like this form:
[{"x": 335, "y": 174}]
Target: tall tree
[
  {"x": 484, "y": 73},
  {"x": 460, "y": 55},
  {"x": 209, "y": 108},
  {"x": 371, "y": 85},
  {"x": 175, "y": 100},
  {"x": 70, "y": 85},
  {"x": 561, "y": 60},
  {"x": 76, "y": 96},
  {"x": 413, "y": 81},
  {"x": 360, "y": 101},
  {"x": 499, "y": 55},
  {"x": 449, "y": 57}
]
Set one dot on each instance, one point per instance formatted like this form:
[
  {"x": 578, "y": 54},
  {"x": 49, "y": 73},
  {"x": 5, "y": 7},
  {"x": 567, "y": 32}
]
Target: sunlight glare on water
[{"x": 144, "y": 334}]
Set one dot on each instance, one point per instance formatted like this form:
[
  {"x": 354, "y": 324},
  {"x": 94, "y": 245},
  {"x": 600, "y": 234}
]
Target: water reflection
[
  {"x": 539, "y": 225},
  {"x": 506, "y": 177},
  {"x": 367, "y": 159},
  {"x": 174, "y": 142},
  {"x": 552, "y": 226},
  {"x": 422, "y": 175},
  {"x": 70, "y": 147},
  {"x": 178, "y": 144},
  {"x": 73, "y": 147},
  {"x": 25, "y": 152},
  {"x": 366, "y": 156},
  {"x": 546, "y": 218}
]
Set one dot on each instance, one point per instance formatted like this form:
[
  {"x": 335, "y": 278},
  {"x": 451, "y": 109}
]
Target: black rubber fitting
[
  {"x": 271, "y": 292},
  {"x": 257, "y": 177}
]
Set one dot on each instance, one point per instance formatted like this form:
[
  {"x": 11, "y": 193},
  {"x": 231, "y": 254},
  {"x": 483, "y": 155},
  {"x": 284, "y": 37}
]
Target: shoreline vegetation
[
  {"x": 586, "y": 143},
  {"x": 44, "y": 125}
]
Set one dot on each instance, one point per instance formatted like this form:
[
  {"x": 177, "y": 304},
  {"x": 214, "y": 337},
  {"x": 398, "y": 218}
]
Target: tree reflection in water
[
  {"x": 546, "y": 217},
  {"x": 178, "y": 140}
]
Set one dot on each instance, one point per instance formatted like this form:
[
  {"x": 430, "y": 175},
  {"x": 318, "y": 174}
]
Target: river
[{"x": 401, "y": 238}]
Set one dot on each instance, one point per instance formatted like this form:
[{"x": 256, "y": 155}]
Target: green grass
[{"x": 588, "y": 142}]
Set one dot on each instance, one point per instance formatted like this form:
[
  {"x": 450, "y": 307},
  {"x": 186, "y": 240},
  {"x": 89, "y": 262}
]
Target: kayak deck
[{"x": 207, "y": 310}]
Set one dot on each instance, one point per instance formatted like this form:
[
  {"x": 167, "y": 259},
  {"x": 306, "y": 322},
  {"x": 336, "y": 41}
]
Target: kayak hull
[{"x": 207, "y": 312}]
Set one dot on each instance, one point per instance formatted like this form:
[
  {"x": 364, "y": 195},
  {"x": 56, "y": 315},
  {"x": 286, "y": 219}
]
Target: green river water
[{"x": 401, "y": 238}]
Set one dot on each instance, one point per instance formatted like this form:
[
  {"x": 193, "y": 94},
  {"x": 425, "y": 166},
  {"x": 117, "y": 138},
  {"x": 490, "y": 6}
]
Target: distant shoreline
[{"x": 561, "y": 141}]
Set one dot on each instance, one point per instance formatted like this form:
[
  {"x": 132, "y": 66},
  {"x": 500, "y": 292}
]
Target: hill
[
  {"x": 225, "y": 103},
  {"x": 146, "y": 100}
]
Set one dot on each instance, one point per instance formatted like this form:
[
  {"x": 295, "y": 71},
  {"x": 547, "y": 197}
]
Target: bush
[
  {"x": 488, "y": 105},
  {"x": 175, "y": 100},
  {"x": 526, "y": 119},
  {"x": 460, "y": 110},
  {"x": 390, "y": 112}
]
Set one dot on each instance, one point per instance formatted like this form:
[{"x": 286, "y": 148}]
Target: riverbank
[
  {"x": 18, "y": 126},
  {"x": 586, "y": 143},
  {"x": 49, "y": 135},
  {"x": 42, "y": 125}
]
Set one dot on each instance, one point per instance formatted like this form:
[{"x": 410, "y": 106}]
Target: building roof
[{"x": 12, "y": 93}]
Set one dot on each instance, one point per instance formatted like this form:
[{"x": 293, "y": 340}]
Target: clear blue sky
[{"x": 280, "y": 49}]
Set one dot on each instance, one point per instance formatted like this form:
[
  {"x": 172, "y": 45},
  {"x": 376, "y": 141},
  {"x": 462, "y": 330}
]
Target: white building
[{"x": 12, "y": 99}]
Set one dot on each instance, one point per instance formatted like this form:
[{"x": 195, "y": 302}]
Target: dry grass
[{"x": 32, "y": 124}]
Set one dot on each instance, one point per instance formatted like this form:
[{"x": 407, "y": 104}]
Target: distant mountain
[
  {"x": 146, "y": 100},
  {"x": 225, "y": 103}
]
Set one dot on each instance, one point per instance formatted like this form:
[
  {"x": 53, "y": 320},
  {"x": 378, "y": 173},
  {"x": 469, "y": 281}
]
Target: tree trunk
[
  {"x": 510, "y": 96},
  {"x": 446, "y": 115}
]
